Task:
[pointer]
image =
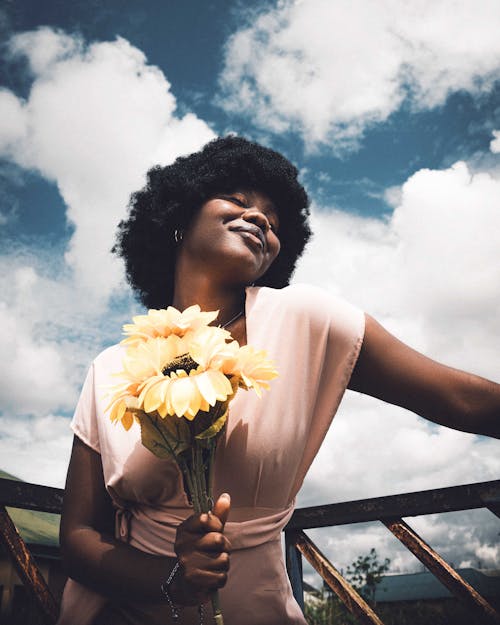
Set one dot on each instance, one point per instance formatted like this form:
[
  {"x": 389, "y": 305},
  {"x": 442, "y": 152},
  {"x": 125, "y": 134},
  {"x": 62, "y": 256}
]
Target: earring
[{"x": 178, "y": 234}]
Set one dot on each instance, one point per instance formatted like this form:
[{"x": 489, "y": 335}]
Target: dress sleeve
[{"x": 84, "y": 422}]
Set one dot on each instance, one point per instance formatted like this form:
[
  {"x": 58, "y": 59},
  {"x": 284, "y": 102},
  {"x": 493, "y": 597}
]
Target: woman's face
[{"x": 234, "y": 235}]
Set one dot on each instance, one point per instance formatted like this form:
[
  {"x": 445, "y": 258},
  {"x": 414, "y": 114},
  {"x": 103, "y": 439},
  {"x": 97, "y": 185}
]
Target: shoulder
[
  {"x": 110, "y": 359},
  {"x": 307, "y": 300}
]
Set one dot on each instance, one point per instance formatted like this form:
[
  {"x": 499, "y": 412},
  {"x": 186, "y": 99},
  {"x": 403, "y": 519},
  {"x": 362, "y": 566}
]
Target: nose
[{"x": 257, "y": 217}]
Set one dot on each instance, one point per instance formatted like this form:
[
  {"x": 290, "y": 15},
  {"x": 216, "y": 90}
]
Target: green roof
[
  {"x": 416, "y": 586},
  {"x": 36, "y": 528}
]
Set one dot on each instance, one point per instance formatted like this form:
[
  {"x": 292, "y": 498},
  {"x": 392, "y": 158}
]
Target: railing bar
[
  {"x": 351, "y": 599},
  {"x": 294, "y": 569},
  {"x": 441, "y": 569},
  {"x": 492, "y": 502},
  {"x": 28, "y": 496},
  {"x": 26, "y": 567},
  {"x": 49, "y": 499},
  {"x": 451, "y": 499}
]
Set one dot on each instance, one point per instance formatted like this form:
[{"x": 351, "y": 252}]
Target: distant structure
[{"x": 425, "y": 587}]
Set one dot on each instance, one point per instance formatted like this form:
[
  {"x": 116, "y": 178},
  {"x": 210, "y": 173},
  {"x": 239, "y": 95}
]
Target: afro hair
[{"x": 173, "y": 194}]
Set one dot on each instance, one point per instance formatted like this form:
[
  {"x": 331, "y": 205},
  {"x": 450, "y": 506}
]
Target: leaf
[
  {"x": 165, "y": 438},
  {"x": 215, "y": 428}
]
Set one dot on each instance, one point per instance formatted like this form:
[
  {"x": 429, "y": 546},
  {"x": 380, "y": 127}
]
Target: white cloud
[
  {"x": 45, "y": 47},
  {"x": 49, "y": 335},
  {"x": 36, "y": 449},
  {"x": 33, "y": 378},
  {"x": 13, "y": 127},
  {"x": 431, "y": 274},
  {"x": 435, "y": 260},
  {"x": 495, "y": 143},
  {"x": 96, "y": 118},
  {"x": 328, "y": 70}
]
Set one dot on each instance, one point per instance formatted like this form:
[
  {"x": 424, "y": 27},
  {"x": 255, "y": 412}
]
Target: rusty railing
[{"x": 388, "y": 510}]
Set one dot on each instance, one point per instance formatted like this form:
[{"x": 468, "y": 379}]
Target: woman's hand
[{"x": 203, "y": 553}]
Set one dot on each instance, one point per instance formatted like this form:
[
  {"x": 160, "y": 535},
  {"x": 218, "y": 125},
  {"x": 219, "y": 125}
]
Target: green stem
[
  {"x": 189, "y": 479},
  {"x": 211, "y": 471},
  {"x": 202, "y": 478},
  {"x": 199, "y": 479},
  {"x": 218, "y": 619},
  {"x": 194, "y": 482}
]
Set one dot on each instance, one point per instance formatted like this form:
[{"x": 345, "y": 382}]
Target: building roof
[{"x": 416, "y": 586}]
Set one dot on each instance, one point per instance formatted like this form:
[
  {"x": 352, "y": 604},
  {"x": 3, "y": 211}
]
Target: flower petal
[
  {"x": 213, "y": 385},
  {"x": 181, "y": 396}
]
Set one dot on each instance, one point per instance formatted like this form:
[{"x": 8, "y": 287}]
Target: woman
[{"x": 223, "y": 228}]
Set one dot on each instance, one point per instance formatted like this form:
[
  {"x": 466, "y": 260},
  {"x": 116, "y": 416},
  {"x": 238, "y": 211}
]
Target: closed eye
[
  {"x": 238, "y": 201},
  {"x": 244, "y": 204}
]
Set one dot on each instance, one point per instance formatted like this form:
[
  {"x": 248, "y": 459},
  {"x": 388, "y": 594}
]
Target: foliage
[{"x": 364, "y": 574}]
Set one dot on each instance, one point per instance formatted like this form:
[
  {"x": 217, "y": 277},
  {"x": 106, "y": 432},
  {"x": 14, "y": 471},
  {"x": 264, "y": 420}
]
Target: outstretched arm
[{"x": 390, "y": 370}]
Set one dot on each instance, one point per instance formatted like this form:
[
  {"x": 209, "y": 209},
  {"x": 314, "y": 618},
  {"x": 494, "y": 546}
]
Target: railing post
[
  {"x": 294, "y": 568},
  {"x": 26, "y": 567},
  {"x": 346, "y": 593},
  {"x": 441, "y": 569}
]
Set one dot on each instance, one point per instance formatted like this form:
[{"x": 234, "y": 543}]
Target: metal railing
[{"x": 388, "y": 510}]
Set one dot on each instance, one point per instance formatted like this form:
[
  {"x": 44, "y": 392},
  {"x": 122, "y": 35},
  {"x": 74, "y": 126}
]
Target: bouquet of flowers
[{"x": 179, "y": 376}]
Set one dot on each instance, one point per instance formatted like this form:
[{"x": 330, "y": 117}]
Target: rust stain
[
  {"x": 26, "y": 567},
  {"x": 441, "y": 569},
  {"x": 351, "y": 599}
]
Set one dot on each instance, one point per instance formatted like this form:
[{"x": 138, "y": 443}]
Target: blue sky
[{"x": 391, "y": 111}]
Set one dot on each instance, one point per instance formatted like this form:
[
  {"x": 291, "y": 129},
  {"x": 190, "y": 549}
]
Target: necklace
[{"x": 236, "y": 316}]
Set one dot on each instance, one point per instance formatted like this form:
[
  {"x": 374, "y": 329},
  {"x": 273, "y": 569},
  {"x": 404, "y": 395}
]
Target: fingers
[
  {"x": 210, "y": 521},
  {"x": 203, "y": 550},
  {"x": 202, "y": 573},
  {"x": 213, "y": 542},
  {"x": 200, "y": 582},
  {"x": 222, "y": 507}
]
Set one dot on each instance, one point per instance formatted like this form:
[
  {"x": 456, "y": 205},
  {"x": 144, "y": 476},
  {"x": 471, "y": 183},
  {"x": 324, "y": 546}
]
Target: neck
[{"x": 199, "y": 289}]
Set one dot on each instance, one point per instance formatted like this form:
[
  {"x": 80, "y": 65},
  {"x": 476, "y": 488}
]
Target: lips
[{"x": 251, "y": 229}]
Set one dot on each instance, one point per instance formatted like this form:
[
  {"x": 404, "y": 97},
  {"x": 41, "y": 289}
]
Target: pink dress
[{"x": 269, "y": 444}]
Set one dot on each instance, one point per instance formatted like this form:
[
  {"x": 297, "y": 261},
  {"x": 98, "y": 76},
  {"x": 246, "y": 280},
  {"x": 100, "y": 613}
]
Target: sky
[{"x": 391, "y": 112}]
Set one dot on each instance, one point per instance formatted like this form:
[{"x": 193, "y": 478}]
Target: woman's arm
[
  {"x": 390, "y": 370},
  {"x": 93, "y": 557}
]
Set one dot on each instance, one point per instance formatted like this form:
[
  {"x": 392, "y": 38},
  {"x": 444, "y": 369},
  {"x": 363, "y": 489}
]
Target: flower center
[{"x": 184, "y": 362}]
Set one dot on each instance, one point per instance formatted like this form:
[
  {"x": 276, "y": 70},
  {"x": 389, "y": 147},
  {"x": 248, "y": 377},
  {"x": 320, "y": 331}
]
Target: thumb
[{"x": 221, "y": 508}]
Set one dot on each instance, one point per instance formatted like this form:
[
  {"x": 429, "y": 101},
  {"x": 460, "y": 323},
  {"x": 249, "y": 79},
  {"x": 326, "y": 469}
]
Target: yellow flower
[
  {"x": 165, "y": 322},
  {"x": 140, "y": 363},
  {"x": 210, "y": 348},
  {"x": 188, "y": 383},
  {"x": 176, "y": 364},
  {"x": 123, "y": 405},
  {"x": 253, "y": 368},
  {"x": 185, "y": 394},
  {"x": 148, "y": 358}
]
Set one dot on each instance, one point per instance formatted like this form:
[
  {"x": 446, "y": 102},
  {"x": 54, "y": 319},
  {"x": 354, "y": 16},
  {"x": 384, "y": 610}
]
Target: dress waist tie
[{"x": 123, "y": 518}]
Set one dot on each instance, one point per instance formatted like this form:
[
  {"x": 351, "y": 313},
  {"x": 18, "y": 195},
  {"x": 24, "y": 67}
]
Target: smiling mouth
[{"x": 253, "y": 234}]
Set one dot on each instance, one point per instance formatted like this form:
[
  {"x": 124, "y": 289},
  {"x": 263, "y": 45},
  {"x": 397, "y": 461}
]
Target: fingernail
[{"x": 226, "y": 496}]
